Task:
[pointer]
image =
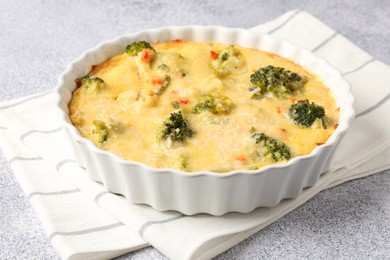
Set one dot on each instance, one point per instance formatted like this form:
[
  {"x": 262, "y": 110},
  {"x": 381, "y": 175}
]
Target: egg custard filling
[{"x": 198, "y": 106}]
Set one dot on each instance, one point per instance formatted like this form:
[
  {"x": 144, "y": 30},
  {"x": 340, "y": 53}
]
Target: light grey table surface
[{"x": 39, "y": 38}]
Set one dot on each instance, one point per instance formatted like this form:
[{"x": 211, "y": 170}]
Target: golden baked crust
[{"x": 129, "y": 113}]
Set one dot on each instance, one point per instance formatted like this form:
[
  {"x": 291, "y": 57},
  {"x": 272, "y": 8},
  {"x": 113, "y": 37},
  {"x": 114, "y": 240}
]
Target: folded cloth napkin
[{"x": 84, "y": 221}]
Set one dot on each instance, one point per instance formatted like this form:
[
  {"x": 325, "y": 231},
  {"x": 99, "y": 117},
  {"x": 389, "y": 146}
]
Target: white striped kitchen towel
[{"x": 83, "y": 221}]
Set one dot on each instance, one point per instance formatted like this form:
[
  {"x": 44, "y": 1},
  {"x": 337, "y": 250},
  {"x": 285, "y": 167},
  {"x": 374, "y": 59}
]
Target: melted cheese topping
[{"x": 134, "y": 114}]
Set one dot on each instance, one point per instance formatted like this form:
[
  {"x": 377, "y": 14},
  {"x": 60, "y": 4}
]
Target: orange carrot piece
[
  {"x": 214, "y": 55},
  {"x": 146, "y": 55},
  {"x": 184, "y": 100},
  {"x": 241, "y": 158},
  {"x": 157, "y": 80}
]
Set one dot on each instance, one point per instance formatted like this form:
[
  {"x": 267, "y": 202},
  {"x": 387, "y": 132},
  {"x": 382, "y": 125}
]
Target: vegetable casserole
[{"x": 200, "y": 106}]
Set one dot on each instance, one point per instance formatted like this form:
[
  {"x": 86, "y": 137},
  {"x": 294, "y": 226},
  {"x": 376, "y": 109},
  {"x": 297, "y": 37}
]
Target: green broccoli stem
[{"x": 164, "y": 85}]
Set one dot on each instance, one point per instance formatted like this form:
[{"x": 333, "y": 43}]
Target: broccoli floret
[
  {"x": 275, "y": 81},
  {"x": 168, "y": 62},
  {"x": 228, "y": 60},
  {"x": 100, "y": 131},
  {"x": 136, "y": 47},
  {"x": 163, "y": 68},
  {"x": 90, "y": 83},
  {"x": 175, "y": 104},
  {"x": 182, "y": 72},
  {"x": 164, "y": 85},
  {"x": 214, "y": 104},
  {"x": 271, "y": 148},
  {"x": 304, "y": 113},
  {"x": 176, "y": 128},
  {"x": 183, "y": 162}
]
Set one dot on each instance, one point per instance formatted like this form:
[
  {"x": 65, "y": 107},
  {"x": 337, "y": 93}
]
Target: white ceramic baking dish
[{"x": 204, "y": 192}]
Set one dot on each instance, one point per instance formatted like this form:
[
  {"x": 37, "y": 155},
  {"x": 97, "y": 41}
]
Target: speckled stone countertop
[{"x": 39, "y": 38}]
